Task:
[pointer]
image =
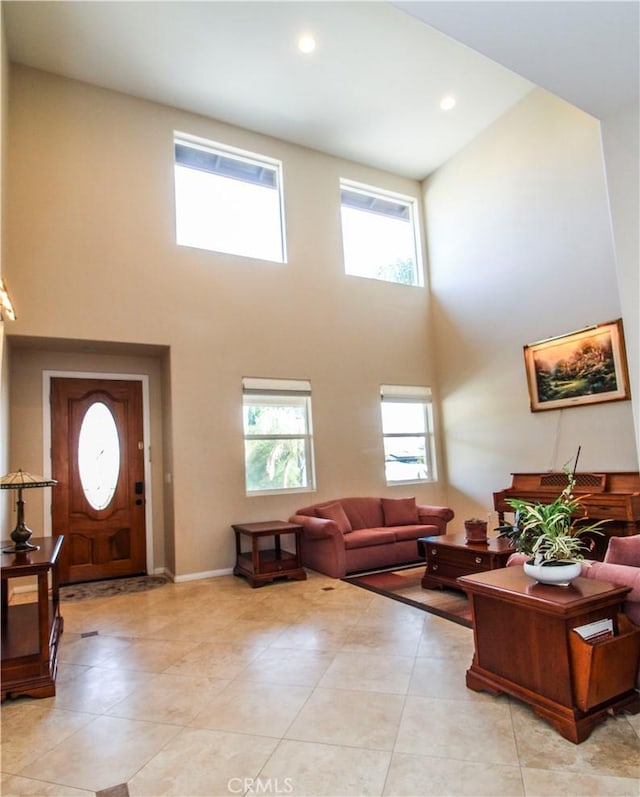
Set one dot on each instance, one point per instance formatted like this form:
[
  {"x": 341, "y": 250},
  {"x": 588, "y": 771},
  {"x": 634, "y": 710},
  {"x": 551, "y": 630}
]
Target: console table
[
  {"x": 259, "y": 565},
  {"x": 31, "y": 631},
  {"x": 525, "y": 646},
  {"x": 449, "y": 556}
]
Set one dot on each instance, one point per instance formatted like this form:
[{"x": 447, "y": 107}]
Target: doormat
[
  {"x": 405, "y": 586},
  {"x": 111, "y": 587}
]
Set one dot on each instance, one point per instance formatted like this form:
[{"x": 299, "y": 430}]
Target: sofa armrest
[
  {"x": 316, "y": 528},
  {"x": 437, "y": 516}
]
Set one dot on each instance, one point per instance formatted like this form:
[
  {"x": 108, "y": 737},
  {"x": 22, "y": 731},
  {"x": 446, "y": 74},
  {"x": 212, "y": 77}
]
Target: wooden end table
[
  {"x": 261, "y": 566},
  {"x": 525, "y": 646},
  {"x": 31, "y": 631},
  {"x": 449, "y": 556}
]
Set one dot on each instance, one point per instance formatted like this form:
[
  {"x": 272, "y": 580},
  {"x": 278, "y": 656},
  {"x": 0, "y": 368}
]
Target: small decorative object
[
  {"x": 584, "y": 367},
  {"x": 551, "y": 535},
  {"x": 475, "y": 530},
  {"x": 21, "y": 480}
]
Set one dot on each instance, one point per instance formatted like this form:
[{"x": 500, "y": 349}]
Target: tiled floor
[{"x": 297, "y": 688}]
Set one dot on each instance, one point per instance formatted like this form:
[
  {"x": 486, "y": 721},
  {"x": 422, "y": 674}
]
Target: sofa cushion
[
  {"x": 403, "y": 533},
  {"x": 336, "y": 513},
  {"x": 365, "y": 538},
  {"x": 623, "y": 551},
  {"x": 399, "y": 511}
]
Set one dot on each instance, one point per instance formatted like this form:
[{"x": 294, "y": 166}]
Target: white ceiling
[{"x": 371, "y": 91}]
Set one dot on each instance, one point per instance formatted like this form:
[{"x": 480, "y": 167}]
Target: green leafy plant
[{"x": 551, "y": 534}]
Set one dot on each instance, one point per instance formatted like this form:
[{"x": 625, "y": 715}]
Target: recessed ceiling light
[
  {"x": 306, "y": 43},
  {"x": 448, "y": 103}
]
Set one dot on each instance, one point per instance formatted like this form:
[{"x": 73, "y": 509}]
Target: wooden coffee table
[{"x": 449, "y": 556}]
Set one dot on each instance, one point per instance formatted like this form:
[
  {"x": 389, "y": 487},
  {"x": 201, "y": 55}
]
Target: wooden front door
[{"x": 97, "y": 455}]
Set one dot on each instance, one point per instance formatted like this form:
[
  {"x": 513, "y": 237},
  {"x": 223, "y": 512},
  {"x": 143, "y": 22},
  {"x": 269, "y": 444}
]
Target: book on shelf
[{"x": 596, "y": 631}]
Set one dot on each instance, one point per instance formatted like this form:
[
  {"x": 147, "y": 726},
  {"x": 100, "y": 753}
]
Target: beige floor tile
[
  {"x": 313, "y": 636},
  {"x": 287, "y": 666},
  {"x": 369, "y": 672},
  {"x": 444, "y": 639},
  {"x": 411, "y": 775},
  {"x": 203, "y": 763},
  {"x": 342, "y": 717},
  {"x": 14, "y": 786},
  {"x": 173, "y": 699},
  {"x": 323, "y": 770},
  {"x": 216, "y": 660},
  {"x": 443, "y": 678},
  {"x": 542, "y": 783},
  {"x": 97, "y": 689},
  {"x": 612, "y": 749},
  {"x": 107, "y": 751},
  {"x": 30, "y": 725},
  {"x": 391, "y": 639},
  {"x": 91, "y": 650},
  {"x": 243, "y": 707},
  {"x": 149, "y": 655},
  {"x": 458, "y": 729}
]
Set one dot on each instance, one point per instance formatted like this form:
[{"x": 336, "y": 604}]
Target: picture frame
[{"x": 588, "y": 366}]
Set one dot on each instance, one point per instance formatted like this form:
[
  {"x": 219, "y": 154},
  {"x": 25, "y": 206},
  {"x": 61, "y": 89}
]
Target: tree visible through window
[
  {"x": 379, "y": 235},
  {"x": 277, "y": 435}
]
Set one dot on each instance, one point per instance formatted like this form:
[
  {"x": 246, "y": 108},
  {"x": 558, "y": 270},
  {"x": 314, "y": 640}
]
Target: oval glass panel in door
[{"x": 98, "y": 455}]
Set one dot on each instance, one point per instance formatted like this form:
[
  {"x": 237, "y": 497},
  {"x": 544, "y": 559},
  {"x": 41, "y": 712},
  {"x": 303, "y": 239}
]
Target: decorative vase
[
  {"x": 475, "y": 530},
  {"x": 560, "y": 575}
]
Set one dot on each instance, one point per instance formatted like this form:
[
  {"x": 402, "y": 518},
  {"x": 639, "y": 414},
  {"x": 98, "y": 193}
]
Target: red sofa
[{"x": 348, "y": 535}]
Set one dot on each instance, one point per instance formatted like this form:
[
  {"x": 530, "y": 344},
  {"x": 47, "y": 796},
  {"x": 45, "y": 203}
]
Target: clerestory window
[
  {"x": 228, "y": 200},
  {"x": 380, "y": 237}
]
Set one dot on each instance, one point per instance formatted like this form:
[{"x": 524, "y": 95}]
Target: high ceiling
[{"x": 371, "y": 90}]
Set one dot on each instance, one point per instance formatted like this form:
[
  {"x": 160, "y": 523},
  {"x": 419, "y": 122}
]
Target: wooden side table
[
  {"x": 31, "y": 631},
  {"x": 261, "y": 566},
  {"x": 449, "y": 556},
  {"x": 525, "y": 646}
]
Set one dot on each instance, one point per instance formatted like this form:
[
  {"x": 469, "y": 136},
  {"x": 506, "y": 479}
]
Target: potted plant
[
  {"x": 475, "y": 530},
  {"x": 551, "y": 535}
]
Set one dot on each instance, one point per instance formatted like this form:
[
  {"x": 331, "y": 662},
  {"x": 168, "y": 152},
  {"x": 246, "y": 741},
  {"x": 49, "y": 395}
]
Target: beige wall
[
  {"x": 5, "y": 502},
  {"x": 520, "y": 250},
  {"x": 91, "y": 256}
]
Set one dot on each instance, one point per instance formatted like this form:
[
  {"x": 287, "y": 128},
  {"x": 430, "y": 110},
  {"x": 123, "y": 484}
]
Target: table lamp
[{"x": 21, "y": 480}]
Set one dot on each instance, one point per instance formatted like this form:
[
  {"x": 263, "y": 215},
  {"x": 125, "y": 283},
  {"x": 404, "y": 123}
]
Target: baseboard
[{"x": 196, "y": 576}]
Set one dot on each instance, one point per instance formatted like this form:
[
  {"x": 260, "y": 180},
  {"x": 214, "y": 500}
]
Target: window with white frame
[
  {"x": 407, "y": 429},
  {"x": 278, "y": 435},
  {"x": 380, "y": 237},
  {"x": 228, "y": 200}
]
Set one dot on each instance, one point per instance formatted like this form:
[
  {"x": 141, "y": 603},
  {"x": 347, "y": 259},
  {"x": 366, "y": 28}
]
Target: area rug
[
  {"x": 404, "y": 585},
  {"x": 114, "y": 586}
]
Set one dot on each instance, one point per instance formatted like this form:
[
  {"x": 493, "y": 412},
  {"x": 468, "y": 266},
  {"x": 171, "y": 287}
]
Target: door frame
[{"x": 47, "y": 376}]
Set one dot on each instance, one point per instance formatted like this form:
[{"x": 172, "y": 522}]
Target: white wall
[
  {"x": 520, "y": 249},
  {"x": 91, "y": 256},
  {"x": 621, "y": 143}
]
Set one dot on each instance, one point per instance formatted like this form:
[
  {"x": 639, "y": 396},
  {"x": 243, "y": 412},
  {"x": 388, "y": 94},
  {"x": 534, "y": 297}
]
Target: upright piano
[{"x": 611, "y": 496}]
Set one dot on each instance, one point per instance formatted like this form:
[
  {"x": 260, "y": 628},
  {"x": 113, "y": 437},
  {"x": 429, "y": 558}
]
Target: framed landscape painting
[{"x": 584, "y": 367}]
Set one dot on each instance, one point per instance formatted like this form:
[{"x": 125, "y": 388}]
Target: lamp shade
[{"x": 21, "y": 479}]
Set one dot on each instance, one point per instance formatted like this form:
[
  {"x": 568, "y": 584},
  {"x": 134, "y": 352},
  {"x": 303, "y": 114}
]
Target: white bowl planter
[{"x": 561, "y": 575}]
